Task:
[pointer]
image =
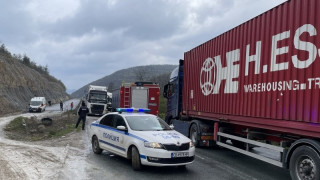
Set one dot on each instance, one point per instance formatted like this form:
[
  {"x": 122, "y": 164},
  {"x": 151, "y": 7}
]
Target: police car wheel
[
  {"x": 95, "y": 146},
  {"x": 194, "y": 134},
  {"x": 135, "y": 160}
]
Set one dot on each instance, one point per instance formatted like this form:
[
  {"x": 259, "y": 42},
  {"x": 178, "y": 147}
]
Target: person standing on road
[
  {"x": 71, "y": 105},
  {"x": 61, "y": 106},
  {"x": 82, "y": 112}
]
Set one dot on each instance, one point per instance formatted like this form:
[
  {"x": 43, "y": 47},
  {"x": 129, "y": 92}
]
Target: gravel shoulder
[{"x": 57, "y": 158}]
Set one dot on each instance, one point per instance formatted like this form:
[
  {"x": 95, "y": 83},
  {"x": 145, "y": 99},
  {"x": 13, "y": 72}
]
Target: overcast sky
[{"x": 84, "y": 40}]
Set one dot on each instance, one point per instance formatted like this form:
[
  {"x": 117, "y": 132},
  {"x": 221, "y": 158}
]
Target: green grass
[
  {"x": 15, "y": 124},
  {"x": 162, "y": 107},
  {"x": 58, "y": 133}
]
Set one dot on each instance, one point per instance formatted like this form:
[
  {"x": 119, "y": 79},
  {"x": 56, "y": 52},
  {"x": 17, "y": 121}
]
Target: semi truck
[
  {"x": 97, "y": 100},
  {"x": 137, "y": 95},
  {"x": 256, "y": 86}
]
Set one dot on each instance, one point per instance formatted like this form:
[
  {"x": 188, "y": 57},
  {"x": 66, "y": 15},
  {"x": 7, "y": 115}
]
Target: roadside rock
[{"x": 41, "y": 128}]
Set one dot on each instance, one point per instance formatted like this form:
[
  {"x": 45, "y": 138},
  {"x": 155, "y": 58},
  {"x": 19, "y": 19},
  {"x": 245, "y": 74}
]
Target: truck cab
[
  {"x": 173, "y": 92},
  {"x": 97, "y": 100}
]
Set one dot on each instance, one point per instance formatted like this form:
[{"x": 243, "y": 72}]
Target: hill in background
[{"x": 154, "y": 73}]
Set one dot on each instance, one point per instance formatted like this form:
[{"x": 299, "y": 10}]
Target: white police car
[{"x": 144, "y": 138}]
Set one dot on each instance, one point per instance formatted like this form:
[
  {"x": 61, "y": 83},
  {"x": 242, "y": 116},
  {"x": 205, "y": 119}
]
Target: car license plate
[{"x": 179, "y": 154}]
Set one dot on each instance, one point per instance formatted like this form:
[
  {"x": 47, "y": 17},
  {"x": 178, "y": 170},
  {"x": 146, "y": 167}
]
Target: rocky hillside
[
  {"x": 134, "y": 74},
  {"x": 19, "y": 83}
]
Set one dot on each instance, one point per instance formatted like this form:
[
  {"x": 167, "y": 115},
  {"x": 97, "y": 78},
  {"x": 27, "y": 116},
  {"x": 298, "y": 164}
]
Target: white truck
[
  {"x": 97, "y": 100},
  {"x": 37, "y": 104}
]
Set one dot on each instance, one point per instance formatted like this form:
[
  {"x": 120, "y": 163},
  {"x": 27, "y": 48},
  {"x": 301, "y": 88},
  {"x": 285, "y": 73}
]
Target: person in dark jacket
[
  {"x": 82, "y": 112},
  {"x": 61, "y": 106}
]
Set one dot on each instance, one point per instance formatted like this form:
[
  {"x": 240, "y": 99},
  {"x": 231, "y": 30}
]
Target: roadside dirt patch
[{"x": 35, "y": 129}]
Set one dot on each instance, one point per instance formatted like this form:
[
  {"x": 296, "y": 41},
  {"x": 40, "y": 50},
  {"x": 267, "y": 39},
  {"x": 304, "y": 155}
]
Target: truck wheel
[
  {"x": 135, "y": 160},
  {"x": 95, "y": 145},
  {"x": 194, "y": 134},
  {"x": 305, "y": 164}
]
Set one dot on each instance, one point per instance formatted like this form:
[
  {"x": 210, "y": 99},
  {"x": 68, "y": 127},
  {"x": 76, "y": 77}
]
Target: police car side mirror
[
  {"x": 171, "y": 126},
  {"x": 122, "y": 128}
]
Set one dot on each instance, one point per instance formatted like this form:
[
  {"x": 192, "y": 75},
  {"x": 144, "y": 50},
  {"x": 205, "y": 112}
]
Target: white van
[{"x": 38, "y": 104}]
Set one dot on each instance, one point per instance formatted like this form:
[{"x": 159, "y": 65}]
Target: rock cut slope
[{"x": 19, "y": 83}]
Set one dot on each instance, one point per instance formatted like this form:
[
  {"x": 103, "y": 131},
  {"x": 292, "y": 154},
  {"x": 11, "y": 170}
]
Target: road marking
[{"x": 199, "y": 157}]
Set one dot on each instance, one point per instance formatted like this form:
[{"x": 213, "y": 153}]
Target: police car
[{"x": 144, "y": 138}]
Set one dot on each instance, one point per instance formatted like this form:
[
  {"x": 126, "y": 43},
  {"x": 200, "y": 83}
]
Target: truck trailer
[
  {"x": 137, "y": 95},
  {"x": 97, "y": 100},
  {"x": 256, "y": 85}
]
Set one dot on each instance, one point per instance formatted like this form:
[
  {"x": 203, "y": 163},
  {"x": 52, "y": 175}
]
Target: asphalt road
[
  {"x": 66, "y": 105},
  {"x": 214, "y": 163}
]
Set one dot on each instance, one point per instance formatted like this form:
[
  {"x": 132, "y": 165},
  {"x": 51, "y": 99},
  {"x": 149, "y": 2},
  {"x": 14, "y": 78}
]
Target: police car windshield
[
  {"x": 35, "y": 103},
  {"x": 147, "y": 123}
]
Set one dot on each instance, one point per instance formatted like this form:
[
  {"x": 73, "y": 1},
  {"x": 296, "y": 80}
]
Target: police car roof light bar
[
  {"x": 120, "y": 110},
  {"x": 144, "y": 110}
]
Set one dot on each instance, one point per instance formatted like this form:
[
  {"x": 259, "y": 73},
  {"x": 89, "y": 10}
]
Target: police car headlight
[
  {"x": 191, "y": 144},
  {"x": 153, "y": 145}
]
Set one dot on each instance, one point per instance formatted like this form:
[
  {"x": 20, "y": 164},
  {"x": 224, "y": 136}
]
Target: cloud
[
  {"x": 51, "y": 11},
  {"x": 83, "y": 40}
]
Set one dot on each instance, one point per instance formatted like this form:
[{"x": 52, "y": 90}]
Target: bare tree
[
  {"x": 141, "y": 73},
  {"x": 110, "y": 87},
  {"x": 161, "y": 80}
]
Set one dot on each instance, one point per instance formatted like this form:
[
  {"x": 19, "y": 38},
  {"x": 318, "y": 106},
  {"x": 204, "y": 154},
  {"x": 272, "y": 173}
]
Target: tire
[
  {"x": 194, "y": 134},
  {"x": 135, "y": 160},
  {"x": 95, "y": 145},
  {"x": 305, "y": 164}
]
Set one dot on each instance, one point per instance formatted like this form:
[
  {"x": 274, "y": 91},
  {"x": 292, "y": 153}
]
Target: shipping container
[
  {"x": 256, "y": 85},
  {"x": 263, "y": 73}
]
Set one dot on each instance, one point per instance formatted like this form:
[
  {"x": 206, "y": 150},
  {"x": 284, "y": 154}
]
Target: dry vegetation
[{"x": 33, "y": 129}]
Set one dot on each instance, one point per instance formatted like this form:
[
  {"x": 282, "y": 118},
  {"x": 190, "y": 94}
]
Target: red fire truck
[{"x": 137, "y": 95}]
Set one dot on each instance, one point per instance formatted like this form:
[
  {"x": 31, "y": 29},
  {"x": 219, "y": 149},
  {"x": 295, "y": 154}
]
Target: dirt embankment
[{"x": 34, "y": 128}]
